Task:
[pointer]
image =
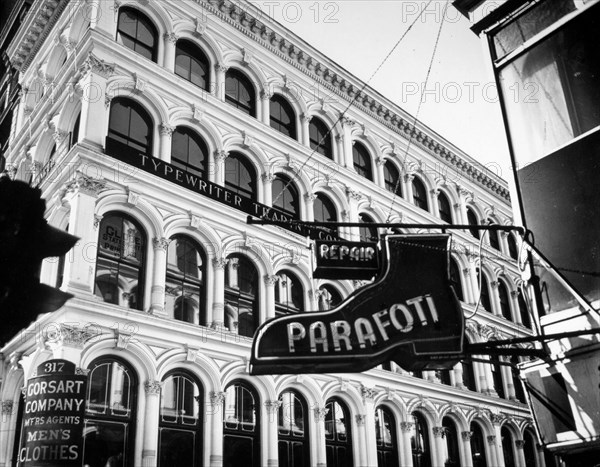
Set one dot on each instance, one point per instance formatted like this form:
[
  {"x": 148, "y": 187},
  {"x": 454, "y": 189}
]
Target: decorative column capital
[
  {"x": 409, "y": 178},
  {"x": 266, "y": 95},
  {"x": 152, "y": 387},
  {"x": 60, "y": 136},
  {"x": 491, "y": 439},
  {"x": 352, "y": 194},
  {"x": 220, "y": 67},
  {"x": 268, "y": 177},
  {"x": 220, "y": 263},
  {"x": 216, "y": 398},
  {"x": 273, "y": 406},
  {"x": 7, "y": 407},
  {"x": 520, "y": 443},
  {"x": 360, "y": 419},
  {"x": 496, "y": 418},
  {"x": 367, "y": 393},
  {"x": 271, "y": 279},
  {"x": 166, "y": 129},
  {"x": 170, "y": 37},
  {"x": 320, "y": 413},
  {"x": 84, "y": 184},
  {"x": 221, "y": 155},
  {"x": 310, "y": 197},
  {"x": 406, "y": 427},
  {"x": 439, "y": 431},
  {"x": 466, "y": 435},
  {"x": 82, "y": 371},
  {"x": 161, "y": 243}
]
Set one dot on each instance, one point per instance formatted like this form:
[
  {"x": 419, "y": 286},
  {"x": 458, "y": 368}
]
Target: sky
[{"x": 460, "y": 101}]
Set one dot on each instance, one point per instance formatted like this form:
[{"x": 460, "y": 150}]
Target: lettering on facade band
[
  {"x": 217, "y": 192},
  {"x": 53, "y": 416},
  {"x": 409, "y": 314}
]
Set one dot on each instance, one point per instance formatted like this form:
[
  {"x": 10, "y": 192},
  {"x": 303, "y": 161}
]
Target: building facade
[{"x": 154, "y": 129}]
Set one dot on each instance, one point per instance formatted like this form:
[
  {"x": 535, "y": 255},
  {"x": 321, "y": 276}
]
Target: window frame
[
  {"x": 235, "y": 100},
  {"x": 392, "y": 185},
  {"x": 288, "y": 189},
  {"x": 254, "y": 434},
  {"x": 186, "y": 166},
  {"x": 279, "y": 107},
  {"x": 195, "y": 55},
  {"x": 419, "y": 193},
  {"x": 387, "y": 454},
  {"x": 118, "y": 141},
  {"x": 238, "y": 296},
  {"x": 148, "y": 23},
  {"x": 244, "y": 162},
  {"x": 323, "y": 142},
  {"x": 288, "y": 442},
  {"x": 444, "y": 207},
  {"x": 361, "y": 160}
]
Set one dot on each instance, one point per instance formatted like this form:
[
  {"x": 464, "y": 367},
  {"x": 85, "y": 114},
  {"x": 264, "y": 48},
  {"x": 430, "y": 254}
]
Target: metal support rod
[
  {"x": 521, "y": 340},
  {"x": 387, "y": 225}
]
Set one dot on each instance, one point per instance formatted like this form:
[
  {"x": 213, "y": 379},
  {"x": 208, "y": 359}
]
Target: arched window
[
  {"x": 523, "y": 310},
  {"x": 362, "y": 161},
  {"x": 529, "y": 449},
  {"x": 285, "y": 196},
  {"x": 504, "y": 301},
  {"x": 419, "y": 441},
  {"x": 189, "y": 152},
  {"x": 240, "y": 176},
  {"x": 473, "y": 220},
  {"x": 455, "y": 280},
  {"x": 74, "y": 136},
  {"x": 241, "y": 426},
  {"x": 338, "y": 434},
  {"x": 391, "y": 177},
  {"x": 121, "y": 261},
  {"x": 419, "y": 194},
  {"x": 329, "y": 298},
  {"x": 281, "y": 116},
  {"x": 180, "y": 424},
  {"x": 451, "y": 437},
  {"x": 513, "y": 250},
  {"x": 477, "y": 446},
  {"x": 496, "y": 368},
  {"x": 289, "y": 294},
  {"x": 367, "y": 234},
  {"x": 485, "y": 292},
  {"x": 293, "y": 441},
  {"x": 385, "y": 437},
  {"x": 184, "y": 288},
  {"x": 507, "y": 447},
  {"x": 191, "y": 64},
  {"x": 517, "y": 383},
  {"x": 129, "y": 128},
  {"x": 320, "y": 138},
  {"x": 445, "y": 210},
  {"x": 239, "y": 92},
  {"x": 241, "y": 295},
  {"x": 136, "y": 32},
  {"x": 494, "y": 239},
  {"x": 324, "y": 211},
  {"x": 109, "y": 427}
]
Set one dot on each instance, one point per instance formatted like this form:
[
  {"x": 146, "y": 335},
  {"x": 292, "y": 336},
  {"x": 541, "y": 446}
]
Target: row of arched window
[
  {"x": 121, "y": 265},
  {"x": 137, "y": 32},
  {"x": 111, "y": 409}
]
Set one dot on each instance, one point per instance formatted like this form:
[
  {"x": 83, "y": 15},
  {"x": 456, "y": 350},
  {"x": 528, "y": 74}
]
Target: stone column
[
  {"x": 270, "y": 283},
  {"x": 7, "y": 430},
  {"x": 435, "y": 205},
  {"x": 461, "y": 206},
  {"x": 215, "y": 421},
  {"x": 469, "y": 292},
  {"x": 366, "y": 424},
  {"x": 346, "y": 139},
  {"x": 157, "y": 300},
  {"x": 81, "y": 194},
  {"x": 353, "y": 199},
  {"x": 220, "y": 71},
  {"x": 267, "y": 179},
  {"x": 272, "y": 407},
  {"x": 406, "y": 451},
  {"x": 304, "y": 133},
  {"x": 379, "y": 176},
  {"x": 218, "y": 308},
  {"x": 320, "y": 413},
  {"x": 408, "y": 194},
  {"x": 169, "y": 57},
  {"x": 520, "y": 457},
  {"x": 309, "y": 213},
  {"x": 218, "y": 174},
  {"x": 467, "y": 455},
  {"x": 495, "y": 458},
  {"x": 151, "y": 417},
  {"x": 495, "y": 440},
  {"x": 263, "y": 110},
  {"x": 440, "y": 448},
  {"x": 166, "y": 134}
]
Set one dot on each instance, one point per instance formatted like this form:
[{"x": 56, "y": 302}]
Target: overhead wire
[{"x": 343, "y": 113}]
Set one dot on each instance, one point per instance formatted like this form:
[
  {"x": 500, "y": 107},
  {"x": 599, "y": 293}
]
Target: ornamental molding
[
  {"x": 197, "y": 113},
  {"x": 161, "y": 243},
  {"x": 466, "y": 435},
  {"x": 170, "y": 37},
  {"x": 360, "y": 419},
  {"x": 7, "y": 407},
  {"x": 96, "y": 65},
  {"x": 491, "y": 439},
  {"x": 82, "y": 371},
  {"x": 273, "y": 406},
  {"x": 439, "y": 431},
  {"x": 200, "y": 26},
  {"x": 166, "y": 130},
  {"x": 368, "y": 393},
  {"x": 220, "y": 263},
  {"x": 520, "y": 443},
  {"x": 271, "y": 279},
  {"x": 496, "y": 418},
  {"x": 139, "y": 84},
  {"x": 72, "y": 336},
  {"x": 133, "y": 197}
]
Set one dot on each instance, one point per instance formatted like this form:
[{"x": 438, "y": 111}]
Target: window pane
[
  {"x": 177, "y": 447},
  {"x": 104, "y": 444}
]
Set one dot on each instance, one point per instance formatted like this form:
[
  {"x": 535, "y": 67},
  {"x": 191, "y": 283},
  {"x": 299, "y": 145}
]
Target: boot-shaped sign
[{"x": 410, "y": 314}]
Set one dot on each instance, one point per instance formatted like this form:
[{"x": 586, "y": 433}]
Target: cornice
[
  {"x": 40, "y": 19},
  {"x": 245, "y": 22}
]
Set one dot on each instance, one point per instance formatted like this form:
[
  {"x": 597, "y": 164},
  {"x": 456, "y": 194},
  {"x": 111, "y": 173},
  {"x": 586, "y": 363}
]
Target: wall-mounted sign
[
  {"x": 346, "y": 260},
  {"x": 211, "y": 190},
  {"x": 410, "y": 314},
  {"x": 53, "y": 416}
]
